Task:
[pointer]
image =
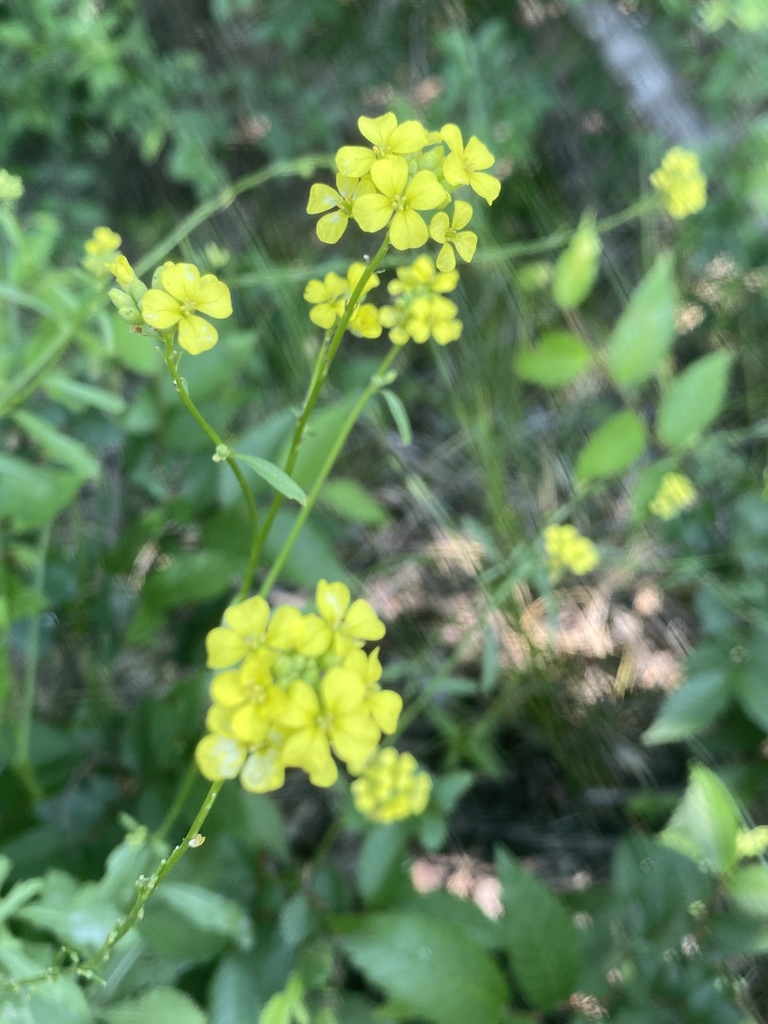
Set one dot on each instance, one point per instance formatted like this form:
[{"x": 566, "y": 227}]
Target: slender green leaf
[
  {"x": 274, "y": 476},
  {"x": 353, "y": 502},
  {"x": 559, "y": 358},
  {"x": 399, "y": 415},
  {"x": 706, "y": 823},
  {"x": 578, "y": 265},
  {"x": 58, "y": 447},
  {"x": 613, "y": 447},
  {"x": 646, "y": 329},
  {"x": 429, "y": 967},
  {"x": 78, "y": 396},
  {"x": 538, "y": 935},
  {"x": 694, "y": 400}
]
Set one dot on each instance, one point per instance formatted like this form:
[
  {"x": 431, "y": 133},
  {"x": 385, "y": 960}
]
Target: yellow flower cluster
[
  {"x": 294, "y": 689},
  {"x": 420, "y": 310},
  {"x": 330, "y": 296},
  {"x": 178, "y": 294},
  {"x": 405, "y": 173},
  {"x": 566, "y": 549},
  {"x": 100, "y": 248},
  {"x": 391, "y": 787},
  {"x": 675, "y": 494},
  {"x": 680, "y": 181}
]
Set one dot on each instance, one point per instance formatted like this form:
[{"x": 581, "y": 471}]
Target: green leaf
[
  {"x": 578, "y": 265},
  {"x": 399, "y": 414},
  {"x": 209, "y": 911},
  {"x": 612, "y": 448},
  {"x": 748, "y": 888},
  {"x": 646, "y": 329},
  {"x": 58, "y": 447},
  {"x": 559, "y": 358},
  {"x": 749, "y": 681},
  {"x": 160, "y": 1006},
  {"x": 380, "y": 862},
  {"x": 19, "y": 894},
  {"x": 700, "y": 699},
  {"x": 705, "y": 825},
  {"x": 76, "y": 395},
  {"x": 538, "y": 935},
  {"x": 353, "y": 502},
  {"x": 322, "y": 431},
  {"x": 235, "y": 993},
  {"x": 32, "y": 495},
  {"x": 430, "y": 968},
  {"x": 693, "y": 400},
  {"x": 274, "y": 476}
]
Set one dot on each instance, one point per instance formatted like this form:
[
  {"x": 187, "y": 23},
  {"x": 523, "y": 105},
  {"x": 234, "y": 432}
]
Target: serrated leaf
[
  {"x": 430, "y": 968},
  {"x": 538, "y": 935},
  {"x": 612, "y": 448},
  {"x": 558, "y": 359},
  {"x": 274, "y": 476},
  {"x": 687, "y": 711},
  {"x": 399, "y": 414},
  {"x": 693, "y": 400},
  {"x": 353, "y": 502},
  {"x": 160, "y": 1006},
  {"x": 748, "y": 888},
  {"x": 646, "y": 329},
  {"x": 705, "y": 825},
  {"x": 59, "y": 448}
]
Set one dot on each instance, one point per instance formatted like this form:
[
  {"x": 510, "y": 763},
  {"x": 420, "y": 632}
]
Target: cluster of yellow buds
[
  {"x": 391, "y": 787},
  {"x": 294, "y": 689},
  {"x": 676, "y": 493},
  {"x": 681, "y": 183},
  {"x": 178, "y": 294},
  {"x": 101, "y": 248},
  {"x": 568, "y": 550}
]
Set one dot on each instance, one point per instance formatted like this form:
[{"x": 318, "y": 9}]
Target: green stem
[
  {"x": 319, "y": 373},
  {"x": 559, "y": 238},
  {"x": 87, "y": 968},
  {"x": 185, "y": 788},
  {"x": 170, "y": 362},
  {"x": 375, "y": 384}
]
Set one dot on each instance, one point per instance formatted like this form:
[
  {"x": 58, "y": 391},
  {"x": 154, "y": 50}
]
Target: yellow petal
[
  {"x": 325, "y": 774},
  {"x": 385, "y": 707},
  {"x": 362, "y": 622},
  {"x": 477, "y": 156},
  {"x": 377, "y": 129},
  {"x": 485, "y": 185},
  {"x": 466, "y": 243},
  {"x": 322, "y": 198},
  {"x": 372, "y": 212},
  {"x": 226, "y": 688},
  {"x": 342, "y": 691},
  {"x": 224, "y": 648},
  {"x": 307, "y": 748},
  {"x": 248, "y": 618},
  {"x": 302, "y": 708},
  {"x": 355, "y": 161},
  {"x": 219, "y": 758},
  {"x": 331, "y": 227},
  {"x": 332, "y": 600},
  {"x": 213, "y": 297},
  {"x": 437, "y": 228},
  {"x": 425, "y": 192},
  {"x": 408, "y": 137},
  {"x": 451, "y": 134},
  {"x": 181, "y": 280},
  {"x": 462, "y": 215},
  {"x": 197, "y": 335},
  {"x": 446, "y": 260},
  {"x": 390, "y": 176},
  {"x": 249, "y": 725},
  {"x": 354, "y": 737},
  {"x": 263, "y": 772},
  {"x": 408, "y": 230},
  {"x": 160, "y": 310}
]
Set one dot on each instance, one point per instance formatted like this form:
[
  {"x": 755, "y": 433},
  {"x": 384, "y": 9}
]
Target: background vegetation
[{"x": 558, "y": 721}]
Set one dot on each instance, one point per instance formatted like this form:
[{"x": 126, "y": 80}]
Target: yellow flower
[
  {"x": 422, "y": 277},
  {"x": 389, "y": 139},
  {"x": 121, "y": 270},
  {"x": 680, "y": 181},
  {"x": 352, "y": 623},
  {"x": 336, "y": 205},
  {"x": 182, "y": 295},
  {"x": 449, "y": 233},
  {"x": 11, "y": 187},
  {"x": 364, "y": 322},
  {"x": 433, "y": 316},
  {"x": 465, "y": 164},
  {"x": 397, "y": 201},
  {"x": 327, "y": 299},
  {"x": 384, "y": 705},
  {"x": 567, "y": 549},
  {"x": 100, "y": 248},
  {"x": 675, "y": 494},
  {"x": 391, "y": 787}
]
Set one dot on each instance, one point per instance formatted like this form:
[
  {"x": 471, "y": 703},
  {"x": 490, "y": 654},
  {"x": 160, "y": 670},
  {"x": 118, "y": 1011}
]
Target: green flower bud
[{"x": 121, "y": 300}]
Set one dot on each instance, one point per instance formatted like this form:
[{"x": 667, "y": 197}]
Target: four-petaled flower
[
  {"x": 336, "y": 205},
  {"x": 465, "y": 164},
  {"x": 389, "y": 139},
  {"x": 448, "y": 233},
  {"x": 397, "y": 201},
  {"x": 184, "y": 294}
]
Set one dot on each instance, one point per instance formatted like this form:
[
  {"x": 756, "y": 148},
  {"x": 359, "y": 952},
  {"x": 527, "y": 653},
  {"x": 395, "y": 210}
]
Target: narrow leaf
[
  {"x": 694, "y": 400},
  {"x": 646, "y": 329},
  {"x": 612, "y": 448},
  {"x": 58, "y": 447},
  {"x": 77, "y": 396},
  {"x": 706, "y": 823},
  {"x": 274, "y": 476},
  {"x": 578, "y": 265},
  {"x": 399, "y": 415}
]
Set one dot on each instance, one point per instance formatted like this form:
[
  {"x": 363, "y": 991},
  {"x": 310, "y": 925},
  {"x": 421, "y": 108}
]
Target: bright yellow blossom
[
  {"x": 566, "y": 549},
  {"x": 397, "y": 202},
  {"x": 327, "y": 299},
  {"x": 100, "y": 249},
  {"x": 422, "y": 277},
  {"x": 184, "y": 293},
  {"x": 449, "y": 232},
  {"x": 465, "y": 164},
  {"x": 391, "y": 787},
  {"x": 681, "y": 183},
  {"x": 388, "y": 138},
  {"x": 336, "y": 205},
  {"x": 352, "y": 622},
  {"x": 676, "y": 493}
]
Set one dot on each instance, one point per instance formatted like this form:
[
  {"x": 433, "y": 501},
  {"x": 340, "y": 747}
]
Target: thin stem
[
  {"x": 230, "y": 459},
  {"x": 319, "y": 373},
  {"x": 86, "y": 968},
  {"x": 375, "y": 384}
]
